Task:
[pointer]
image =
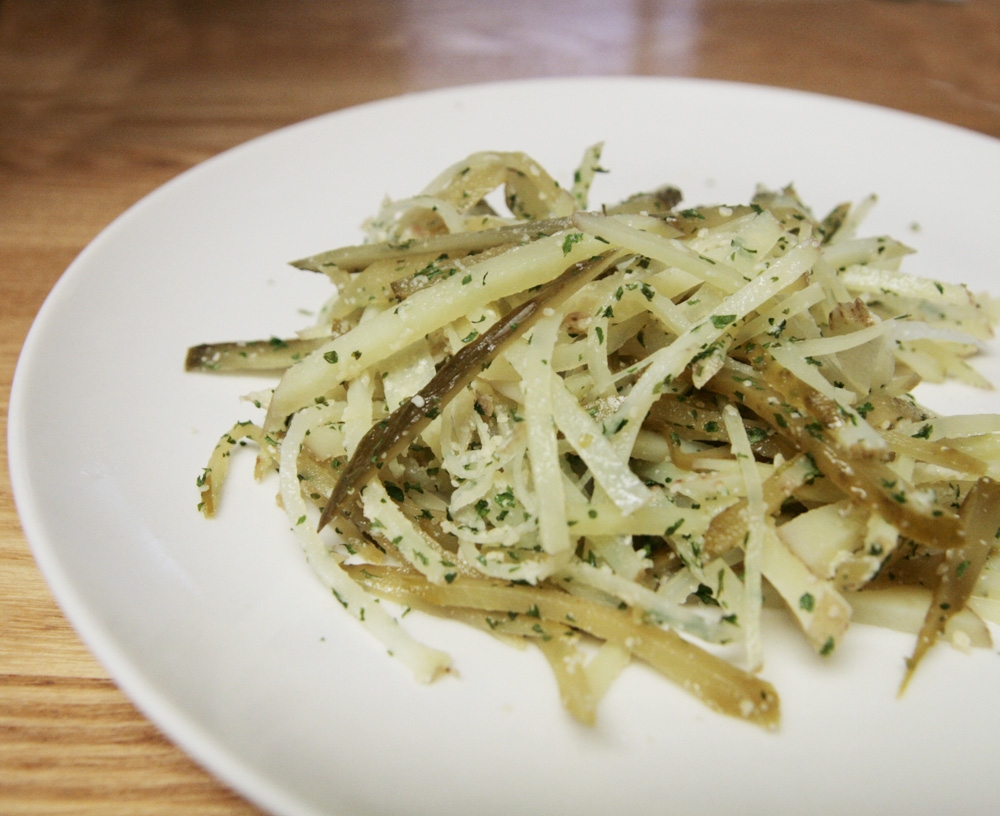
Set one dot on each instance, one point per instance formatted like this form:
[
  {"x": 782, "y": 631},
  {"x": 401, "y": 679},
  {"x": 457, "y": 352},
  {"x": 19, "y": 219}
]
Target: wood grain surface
[{"x": 101, "y": 102}]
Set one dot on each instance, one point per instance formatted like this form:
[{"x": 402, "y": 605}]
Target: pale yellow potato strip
[
  {"x": 425, "y": 311},
  {"x": 425, "y": 663},
  {"x": 388, "y": 521},
  {"x": 668, "y": 251},
  {"x": 532, "y": 359},
  {"x": 753, "y": 544},
  {"x": 607, "y": 466}
]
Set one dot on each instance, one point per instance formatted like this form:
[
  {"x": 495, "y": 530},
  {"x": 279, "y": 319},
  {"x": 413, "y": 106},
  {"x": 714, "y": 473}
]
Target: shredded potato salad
[{"x": 622, "y": 432}]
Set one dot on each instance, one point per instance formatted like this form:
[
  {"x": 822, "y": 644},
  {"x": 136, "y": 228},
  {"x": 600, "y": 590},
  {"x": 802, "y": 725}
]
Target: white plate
[{"x": 222, "y": 636}]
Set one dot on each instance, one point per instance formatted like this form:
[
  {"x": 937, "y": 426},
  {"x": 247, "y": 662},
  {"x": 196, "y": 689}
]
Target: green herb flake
[
  {"x": 704, "y": 594},
  {"x": 673, "y": 528},
  {"x": 570, "y": 240}
]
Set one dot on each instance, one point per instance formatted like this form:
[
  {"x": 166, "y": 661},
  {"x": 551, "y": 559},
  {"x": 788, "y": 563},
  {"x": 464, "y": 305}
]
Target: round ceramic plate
[{"x": 220, "y": 633}]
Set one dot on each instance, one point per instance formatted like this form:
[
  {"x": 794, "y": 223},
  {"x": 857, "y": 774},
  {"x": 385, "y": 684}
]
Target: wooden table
[{"x": 101, "y": 102}]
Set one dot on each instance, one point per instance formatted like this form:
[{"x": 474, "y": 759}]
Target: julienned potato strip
[{"x": 627, "y": 432}]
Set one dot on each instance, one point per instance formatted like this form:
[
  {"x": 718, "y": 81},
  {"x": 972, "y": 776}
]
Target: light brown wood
[{"x": 101, "y": 102}]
